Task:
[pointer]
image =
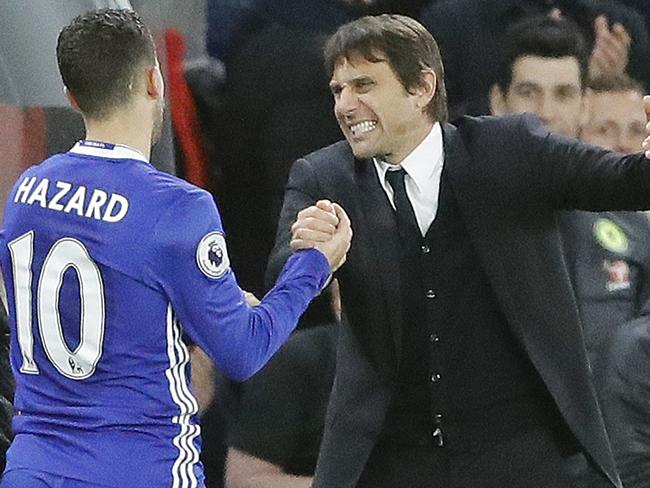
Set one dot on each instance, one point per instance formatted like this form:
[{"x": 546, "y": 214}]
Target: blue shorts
[{"x": 23, "y": 478}]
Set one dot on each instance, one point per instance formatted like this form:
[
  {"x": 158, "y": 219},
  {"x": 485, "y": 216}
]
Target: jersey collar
[{"x": 107, "y": 150}]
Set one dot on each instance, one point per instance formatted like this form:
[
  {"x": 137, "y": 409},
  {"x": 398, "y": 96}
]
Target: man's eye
[
  {"x": 567, "y": 94},
  {"x": 365, "y": 85},
  {"x": 526, "y": 92},
  {"x": 637, "y": 130},
  {"x": 605, "y": 131}
]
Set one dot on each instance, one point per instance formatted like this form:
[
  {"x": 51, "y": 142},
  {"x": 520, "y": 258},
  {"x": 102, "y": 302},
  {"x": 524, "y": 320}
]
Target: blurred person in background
[
  {"x": 230, "y": 22},
  {"x": 544, "y": 70},
  {"x": 470, "y": 33},
  {"x": 613, "y": 118},
  {"x": 625, "y": 392}
]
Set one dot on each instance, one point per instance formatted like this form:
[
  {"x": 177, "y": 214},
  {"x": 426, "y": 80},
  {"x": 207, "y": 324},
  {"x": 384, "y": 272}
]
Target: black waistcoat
[{"x": 461, "y": 367}]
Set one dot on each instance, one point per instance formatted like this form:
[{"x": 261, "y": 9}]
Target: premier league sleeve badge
[{"x": 212, "y": 255}]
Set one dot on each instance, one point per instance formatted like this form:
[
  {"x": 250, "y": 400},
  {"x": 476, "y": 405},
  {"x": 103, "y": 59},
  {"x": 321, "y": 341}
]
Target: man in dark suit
[{"x": 461, "y": 363}]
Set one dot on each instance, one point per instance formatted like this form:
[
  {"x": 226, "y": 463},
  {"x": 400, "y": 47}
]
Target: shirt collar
[
  {"x": 418, "y": 163},
  {"x": 107, "y": 150}
]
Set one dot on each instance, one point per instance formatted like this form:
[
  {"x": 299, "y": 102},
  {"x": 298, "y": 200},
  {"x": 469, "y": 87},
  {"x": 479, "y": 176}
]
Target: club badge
[
  {"x": 610, "y": 236},
  {"x": 212, "y": 255}
]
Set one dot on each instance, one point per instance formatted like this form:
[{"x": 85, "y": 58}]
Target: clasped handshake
[{"x": 324, "y": 226}]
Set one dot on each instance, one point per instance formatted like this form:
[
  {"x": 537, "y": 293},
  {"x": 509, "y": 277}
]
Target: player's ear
[
  {"x": 154, "y": 82},
  {"x": 71, "y": 99}
]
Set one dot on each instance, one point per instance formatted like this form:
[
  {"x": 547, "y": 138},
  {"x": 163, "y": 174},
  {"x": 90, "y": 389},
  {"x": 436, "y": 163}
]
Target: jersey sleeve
[{"x": 189, "y": 261}]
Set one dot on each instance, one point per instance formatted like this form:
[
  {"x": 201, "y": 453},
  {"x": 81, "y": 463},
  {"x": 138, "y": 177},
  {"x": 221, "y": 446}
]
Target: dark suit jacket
[{"x": 509, "y": 176}]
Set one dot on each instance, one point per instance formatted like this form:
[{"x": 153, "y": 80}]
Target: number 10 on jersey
[{"x": 64, "y": 254}]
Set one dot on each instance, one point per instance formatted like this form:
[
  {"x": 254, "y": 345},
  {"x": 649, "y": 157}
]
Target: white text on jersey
[{"x": 101, "y": 205}]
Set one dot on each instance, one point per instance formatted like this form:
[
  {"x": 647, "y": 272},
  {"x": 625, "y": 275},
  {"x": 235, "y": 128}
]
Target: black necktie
[{"x": 406, "y": 220}]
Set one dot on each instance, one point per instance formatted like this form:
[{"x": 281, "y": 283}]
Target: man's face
[
  {"x": 377, "y": 115},
  {"x": 615, "y": 120},
  {"x": 548, "y": 87}
]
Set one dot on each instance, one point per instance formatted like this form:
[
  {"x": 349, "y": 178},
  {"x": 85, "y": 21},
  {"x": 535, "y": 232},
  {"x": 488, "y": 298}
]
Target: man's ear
[
  {"x": 154, "y": 82},
  {"x": 71, "y": 99},
  {"x": 427, "y": 89},
  {"x": 497, "y": 100}
]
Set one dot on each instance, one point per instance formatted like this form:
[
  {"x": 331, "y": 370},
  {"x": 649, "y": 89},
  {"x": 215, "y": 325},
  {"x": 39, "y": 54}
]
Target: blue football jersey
[{"x": 113, "y": 270}]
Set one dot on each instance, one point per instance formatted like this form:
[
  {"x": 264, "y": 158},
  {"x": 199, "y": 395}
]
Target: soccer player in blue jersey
[{"x": 113, "y": 269}]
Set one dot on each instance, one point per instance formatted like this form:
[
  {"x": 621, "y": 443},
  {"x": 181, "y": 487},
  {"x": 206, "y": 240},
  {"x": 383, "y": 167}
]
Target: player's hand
[
  {"x": 314, "y": 224},
  {"x": 336, "y": 249},
  {"x": 646, "y": 142},
  {"x": 611, "y": 52},
  {"x": 251, "y": 299},
  {"x": 326, "y": 227}
]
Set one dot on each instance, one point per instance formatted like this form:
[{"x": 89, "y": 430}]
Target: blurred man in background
[{"x": 613, "y": 116}]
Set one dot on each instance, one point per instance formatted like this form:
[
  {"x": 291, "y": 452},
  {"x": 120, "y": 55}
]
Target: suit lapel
[
  {"x": 502, "y": 250},
  {"x": 499, "y": 253},
  {"x": 384, "y": 243}
]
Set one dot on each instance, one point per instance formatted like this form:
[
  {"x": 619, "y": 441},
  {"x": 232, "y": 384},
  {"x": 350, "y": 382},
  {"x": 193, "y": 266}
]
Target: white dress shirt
[{"x": 423, "y": 168}]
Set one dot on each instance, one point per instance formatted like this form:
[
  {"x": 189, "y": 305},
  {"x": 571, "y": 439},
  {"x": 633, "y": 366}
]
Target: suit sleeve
[
  {"x": 301, "y": 192},
  {"x": 572, "y": 175},
  {"x": 191, "y": 265}
]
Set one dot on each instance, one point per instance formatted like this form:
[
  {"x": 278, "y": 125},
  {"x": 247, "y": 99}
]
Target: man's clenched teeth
[{"x": 361, "y": 127}]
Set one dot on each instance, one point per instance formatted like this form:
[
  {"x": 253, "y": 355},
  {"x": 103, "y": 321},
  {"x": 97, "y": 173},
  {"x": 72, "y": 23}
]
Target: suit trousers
[{"x": 531, "y": 459}]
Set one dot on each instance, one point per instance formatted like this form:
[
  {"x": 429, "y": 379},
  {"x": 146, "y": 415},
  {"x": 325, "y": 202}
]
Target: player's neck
[{"x": 123, "y": 129}]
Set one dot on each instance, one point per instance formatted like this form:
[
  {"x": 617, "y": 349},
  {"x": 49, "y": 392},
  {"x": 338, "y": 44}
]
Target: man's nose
[
  {"x": 346, "y": 102},
  {"x": 547, "y": 109},
  {"x": 624, "y": 144}
]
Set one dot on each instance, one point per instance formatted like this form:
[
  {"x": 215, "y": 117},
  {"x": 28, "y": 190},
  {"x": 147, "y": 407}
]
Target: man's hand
[
  {"x": 611, "y": 52},
  {"x": 326, "y": 227},
  {"x": 646, "y": 142}
]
